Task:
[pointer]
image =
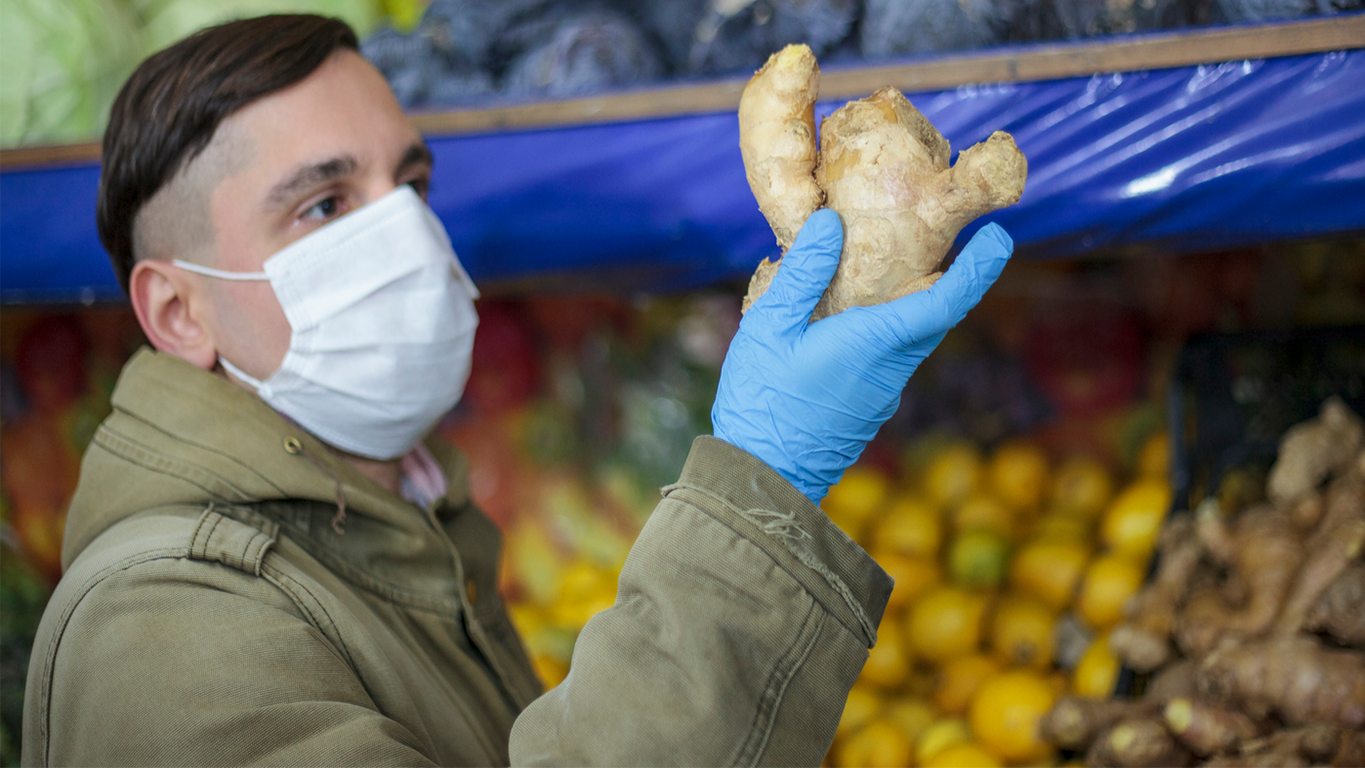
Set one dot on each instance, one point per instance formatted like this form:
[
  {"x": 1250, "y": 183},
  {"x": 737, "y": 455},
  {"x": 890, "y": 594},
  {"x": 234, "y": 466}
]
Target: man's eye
[{"x": 324, "y": 209}]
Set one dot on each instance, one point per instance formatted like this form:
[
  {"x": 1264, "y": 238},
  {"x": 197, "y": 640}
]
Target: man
[{"x": 266, "y": 563}]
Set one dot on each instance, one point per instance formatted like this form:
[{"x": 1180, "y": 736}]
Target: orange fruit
[
  {"x": 938, "y": 736},
  {"x": 946, "y": 622},
  {"x": 952, "y": 474},
  {"x": 1133, "y": 521},
  {"x": 911, "y": 716},
  {"x": 913, "y": 575},
  {"x": 1109, "y": 582},
  {"x": 862, "y": 705},
  {"x": 962, "y": 756},
  {"x": 978, "y": 559},
  {"x": 1021, "y": 632},
  {"x": 910, "y": 527},
  {"x": 959, "y": 679},
  {"x": 1004, "y": 716},
  {"x": 983, "y": 512},
  {"x": 879, "y": 744},
  {"x": 1018, "y": 473},
  {"x": 1082, "y": 486},
  {"x": 855, "y": 498},
  {"x": 888, "y": 663},
  {"x": 1049, "y": 570},
  {"x": 1154, "y": 460},
  {"x": 1097, "y": 671}
]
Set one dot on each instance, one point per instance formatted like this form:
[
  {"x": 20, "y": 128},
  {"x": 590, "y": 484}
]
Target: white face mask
[{"x": 382, "y": 319}]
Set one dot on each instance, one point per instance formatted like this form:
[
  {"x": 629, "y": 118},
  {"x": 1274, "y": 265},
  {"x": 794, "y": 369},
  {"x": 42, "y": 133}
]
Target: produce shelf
[{"x": 1163, "y": 142}]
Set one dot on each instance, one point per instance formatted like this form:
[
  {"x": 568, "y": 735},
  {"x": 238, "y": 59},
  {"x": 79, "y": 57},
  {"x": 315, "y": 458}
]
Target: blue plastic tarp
[{"x": 1184, "y": 159}]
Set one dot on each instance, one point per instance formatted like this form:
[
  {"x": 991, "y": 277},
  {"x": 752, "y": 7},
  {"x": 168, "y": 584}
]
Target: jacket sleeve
[
  {"x": 742, "y": 618},
  {"x": 172, "y": 662}
]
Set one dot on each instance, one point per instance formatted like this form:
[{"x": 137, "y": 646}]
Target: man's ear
[{"x": 171, "y": 312}]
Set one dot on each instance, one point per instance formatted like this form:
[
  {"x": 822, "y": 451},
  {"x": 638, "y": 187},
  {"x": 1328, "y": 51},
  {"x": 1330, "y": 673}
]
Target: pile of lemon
[{"x": 1010, "y": 571}]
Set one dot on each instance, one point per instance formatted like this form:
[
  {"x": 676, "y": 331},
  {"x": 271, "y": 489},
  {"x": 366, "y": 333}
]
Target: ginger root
[
  {"x": 1136, "y": 743},
  {"x": 1295, "y": 677},
  {"x": 1311, "y": 451},
  {"x": 881, "y": 165},
  {"x": 1264, "y": 547},
  {"x": 1074, "y": 721},
  {"x": 1143, "y": 641},
  {"x": 1340, "y": 612},
  {"x": 777, "y": 140},
  {"x": 1205, "y": 729},
  {"x": 1310, "y": 745}
]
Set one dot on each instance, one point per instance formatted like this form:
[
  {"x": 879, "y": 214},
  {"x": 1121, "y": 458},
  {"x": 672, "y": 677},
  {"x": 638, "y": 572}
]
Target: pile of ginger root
[
  {"x": 880, "y": 165},
  {"x": 1252, "y": 628}
]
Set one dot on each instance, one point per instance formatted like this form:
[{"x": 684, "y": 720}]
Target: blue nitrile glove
[{"x": 807, "y": 397}]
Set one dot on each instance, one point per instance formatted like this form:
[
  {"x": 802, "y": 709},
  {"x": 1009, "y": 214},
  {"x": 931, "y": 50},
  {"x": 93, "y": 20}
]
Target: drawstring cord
[{"x": 338, "y": 520}]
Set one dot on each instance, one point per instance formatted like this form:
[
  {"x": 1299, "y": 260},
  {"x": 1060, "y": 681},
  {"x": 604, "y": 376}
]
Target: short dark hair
[{"x": 168, "y": 111}]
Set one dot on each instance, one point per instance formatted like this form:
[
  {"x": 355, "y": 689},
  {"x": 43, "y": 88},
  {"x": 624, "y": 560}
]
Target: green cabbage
[
  {"x": 61, "y": 65},
  {"x": 166, "y": 21}
]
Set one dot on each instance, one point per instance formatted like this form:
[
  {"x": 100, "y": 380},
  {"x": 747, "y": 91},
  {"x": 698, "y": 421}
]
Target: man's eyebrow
[
  {"x": 308, "y": 176},
  {"x": 417, "y": 154}
]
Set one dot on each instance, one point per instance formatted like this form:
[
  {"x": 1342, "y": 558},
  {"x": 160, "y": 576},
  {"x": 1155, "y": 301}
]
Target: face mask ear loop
[{"x": 339, "y": 520}]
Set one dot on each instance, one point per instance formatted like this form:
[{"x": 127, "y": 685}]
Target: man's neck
[{"x": 387, "y": 473}]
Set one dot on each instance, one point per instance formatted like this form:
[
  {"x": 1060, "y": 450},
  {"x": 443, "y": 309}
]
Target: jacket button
[
  {"x": 293, "y": 446},
  {"x": 471, "y": 588}
]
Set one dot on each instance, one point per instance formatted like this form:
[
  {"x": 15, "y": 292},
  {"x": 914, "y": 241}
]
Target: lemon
[
  {"x": 855, "y": 498},
  {"x": 938, "y": 736},
  {"x": 953, "y": 474},
  {"x": 946, "y": 622},
  {"x": 1109, "y": 582},
  {"x": 1154, "y": 460},
  {"x": 962, "y": 756},
  {"x": 1062, "y": 526},
  {"x": 534, "y": 562},
  {"x": 913, "y": 576},
  {"x": 861, "y": 706},
  {"x": 910, "y": 527},
  {"x": 879, "y": 744},
  {"x": 1049, "y": 570},
  {"x": 959, "y": 679},
  {"x": 1019, "y": 474},
  {"x": 1005, "y": 713},
  {"x": 1082, "y": 486},
  {"x": 586, "y": 590},
  {"x": 911, "y": 716},
  {"x": 1021, "y": 632},
  {"x": 983, "y": 512},
  {"x": 1133, "y": 522},
  {"x": 1097, "y": 671},
  {"x": 550, "y": 670},
  {"x": 978, "y": 559},
  {"x": 888, "y": 662}
]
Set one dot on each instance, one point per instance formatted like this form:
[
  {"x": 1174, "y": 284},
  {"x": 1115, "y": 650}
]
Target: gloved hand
[{"x": 807, "y": 397}]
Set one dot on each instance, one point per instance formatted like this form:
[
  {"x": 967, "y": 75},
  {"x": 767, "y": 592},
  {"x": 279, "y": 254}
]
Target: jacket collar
[{"x": 181, "y": 435}]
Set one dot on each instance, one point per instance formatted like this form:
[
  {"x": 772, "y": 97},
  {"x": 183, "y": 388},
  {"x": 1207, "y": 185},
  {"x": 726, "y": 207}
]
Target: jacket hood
[{"x": 180, "y": 435}]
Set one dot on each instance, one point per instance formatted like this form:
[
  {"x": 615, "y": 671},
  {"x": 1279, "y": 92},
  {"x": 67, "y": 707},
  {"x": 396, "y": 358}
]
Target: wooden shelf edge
[
  {"x": 21, "y": 158},
  {"x": 1043, "y": 62}
]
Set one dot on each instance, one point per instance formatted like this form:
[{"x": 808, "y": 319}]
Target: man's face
[{"x": 302, "y": 157}]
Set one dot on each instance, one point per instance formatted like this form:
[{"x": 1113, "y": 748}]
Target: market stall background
[{"x": 1037, "y": 428}]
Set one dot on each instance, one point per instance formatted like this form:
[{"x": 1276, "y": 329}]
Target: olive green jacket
[{"x": 211, "y": 612}]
